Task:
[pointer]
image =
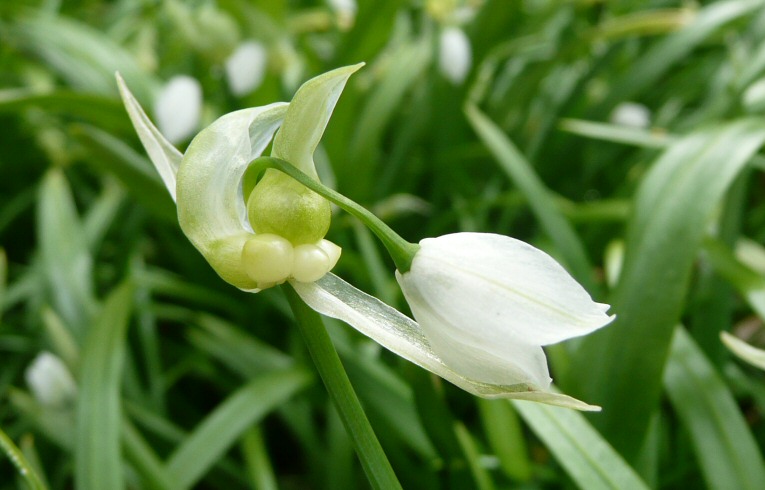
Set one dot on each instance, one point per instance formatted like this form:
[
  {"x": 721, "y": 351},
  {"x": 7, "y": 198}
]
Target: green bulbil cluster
[{"x": 282, "y": 206}]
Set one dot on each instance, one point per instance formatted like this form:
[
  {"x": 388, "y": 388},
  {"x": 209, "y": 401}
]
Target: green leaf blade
[
  {"x": 98, "y": 460},
  {"x": 194, "y": 457},
  {"x": 673, "y": 206},
  {"x": 587, "y": 458},
  {"x": 725, "y": 447}
]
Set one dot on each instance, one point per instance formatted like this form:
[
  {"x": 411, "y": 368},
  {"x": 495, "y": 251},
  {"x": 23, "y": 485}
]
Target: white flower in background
[
  {"x": 50, "y": 381},
  {"x": 487, "y": 303},
  {"x": 345, "y": 11},
  {"x": 455, "y": 55},
  {"x": 246, "y": 67},
  {"x": 178, "y": 108},
  {"x": 631, "y": 114}
]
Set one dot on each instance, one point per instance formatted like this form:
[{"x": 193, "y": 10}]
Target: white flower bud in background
[
  {"x": 178, "y": 108},
  {"x": 631, "y": 114},
  {"x": 50, "y": 381},
  {"x": 246, "y": 67},
  {"x": 455, "y": 55},
  {"x": 613, "y": 261},
  {"x": 345, "y": 11}
]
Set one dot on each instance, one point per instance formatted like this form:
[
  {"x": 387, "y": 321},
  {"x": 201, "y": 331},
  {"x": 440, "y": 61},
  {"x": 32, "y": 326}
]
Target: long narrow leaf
[
  {"x": 144, "y": 461},
  {"x": 673, "y": 206},
  {"x": 112, "y": 155},
  {"x": 65, "y": 256},
  {"x": 3, "y": 278},
  {"x": 650, "y": 67},
  {"x": 98, "y": 462},
  {"x": 20, "y": 462},
  {"x": 750, "y": 283},
  {"x": 505, "y": 437},
  {"x": 85, "y": 57},
  {"x": 221, "y": 429},
  {"x": 98, "y": 109},
  {"x": 725, "y": 447},
  {"x": 587, "y": 458}
]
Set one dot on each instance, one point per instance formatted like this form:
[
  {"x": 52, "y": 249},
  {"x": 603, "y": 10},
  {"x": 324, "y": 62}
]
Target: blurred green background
[{"x": 624, "y": 138}]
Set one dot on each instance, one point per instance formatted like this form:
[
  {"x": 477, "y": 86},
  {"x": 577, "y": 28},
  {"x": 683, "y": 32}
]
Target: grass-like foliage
[{"x": 625, "y": 139}]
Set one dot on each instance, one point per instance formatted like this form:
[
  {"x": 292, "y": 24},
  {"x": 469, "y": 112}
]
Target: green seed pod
[{"x": 282, "y": 206}]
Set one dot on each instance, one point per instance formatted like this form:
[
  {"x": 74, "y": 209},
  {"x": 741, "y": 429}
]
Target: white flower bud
[
  {"x": 246, "y": 67},
  {"x": 50, "y": 381},
  {"x": 631, "y": 114},
  {"x": 179, "y": 107},
  {"x": 455, "y": 55},
  {"x": 345, "y": 11}
]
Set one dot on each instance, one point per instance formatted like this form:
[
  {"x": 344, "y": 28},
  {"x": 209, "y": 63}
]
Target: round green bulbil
[{"x": 283, "y": 206}]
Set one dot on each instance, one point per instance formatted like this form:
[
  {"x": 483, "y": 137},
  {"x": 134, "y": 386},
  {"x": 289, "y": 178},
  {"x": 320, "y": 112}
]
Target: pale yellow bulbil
[{"x": 270, "y": 259}]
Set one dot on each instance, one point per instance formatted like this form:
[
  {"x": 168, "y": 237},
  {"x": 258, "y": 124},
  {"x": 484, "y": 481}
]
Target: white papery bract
[{"x": 487, "y": 303}]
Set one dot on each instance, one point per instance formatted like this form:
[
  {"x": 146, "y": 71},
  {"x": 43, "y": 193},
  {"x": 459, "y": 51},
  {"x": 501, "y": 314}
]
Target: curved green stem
[
  {"x": 399, "y": 249},
  {"x": 372, "y": 457}
]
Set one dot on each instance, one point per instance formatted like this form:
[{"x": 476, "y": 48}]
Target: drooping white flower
[
  {"x": 207, "y": 182},
  {"x": 49, "y": 380},
  {"x": 487, "y": 303},
  {"x": 631, "y": 114},
  {"x": 455, "y": 56},
  {"x": 178, "y": 108},
  {"x": 246, "y": 67}
]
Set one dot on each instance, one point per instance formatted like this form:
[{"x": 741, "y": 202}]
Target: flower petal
[
  {"x": 211, "y": 208},
  {"x": 495, "y": 290},
  {"x": 308, "y": 116},
  {"x": 506, "y": 361},
  {"x": 165, "y": 157},
  {"x": 333, "y": 297}
]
